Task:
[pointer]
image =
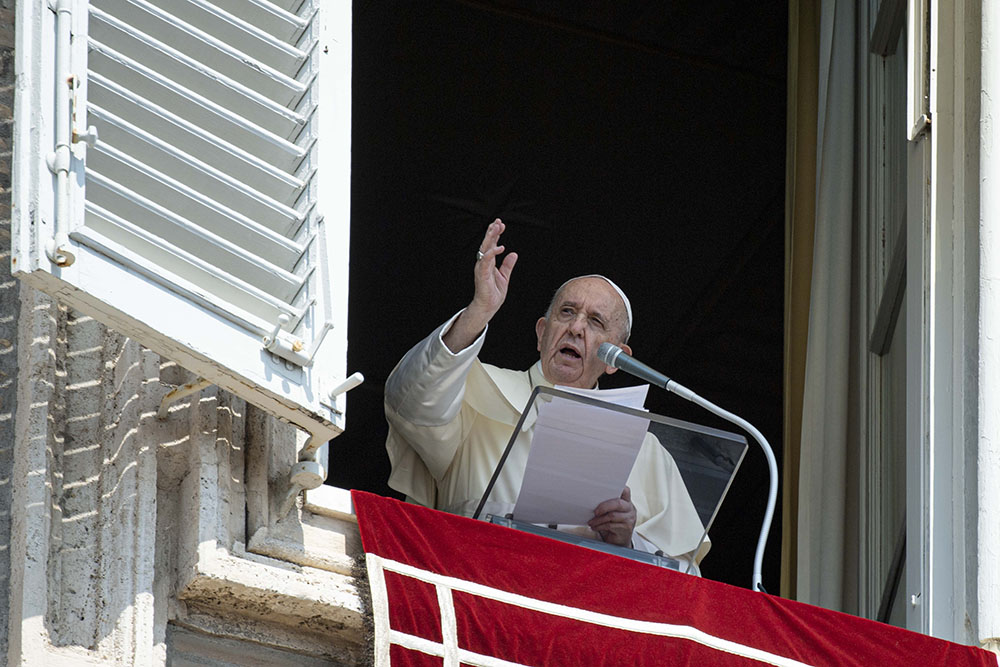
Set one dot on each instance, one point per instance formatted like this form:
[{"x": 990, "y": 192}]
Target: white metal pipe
[
  {"x": 613, "y": 355},
  {"x": 348, "y": 384},
  {"x": 57, "y": 248},
  {"x": 772, "y": 468},
  {"x": 988, "y": 460}
]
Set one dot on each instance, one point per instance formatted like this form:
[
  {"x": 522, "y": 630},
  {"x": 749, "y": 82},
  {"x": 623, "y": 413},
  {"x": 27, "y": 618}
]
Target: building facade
[{"x": 141, "y": 531}]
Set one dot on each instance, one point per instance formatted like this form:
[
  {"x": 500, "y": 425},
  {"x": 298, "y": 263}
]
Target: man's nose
[{"x": 577, "y": 326}]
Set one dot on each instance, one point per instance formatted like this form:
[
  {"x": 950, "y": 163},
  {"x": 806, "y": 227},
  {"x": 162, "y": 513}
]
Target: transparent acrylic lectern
[{"x": 706, "y": 458}]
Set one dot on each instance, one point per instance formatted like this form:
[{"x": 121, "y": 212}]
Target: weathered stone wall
[
  {"x": 83, "y": 487},
  {"x": 8, "y": 308}
]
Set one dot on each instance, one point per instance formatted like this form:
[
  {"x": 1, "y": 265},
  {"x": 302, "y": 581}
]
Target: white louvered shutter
[{"x": 214, "y": 205}]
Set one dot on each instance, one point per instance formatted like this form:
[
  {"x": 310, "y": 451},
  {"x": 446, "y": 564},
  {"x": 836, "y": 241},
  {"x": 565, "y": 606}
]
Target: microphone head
[{"x": 608, "y": 353}]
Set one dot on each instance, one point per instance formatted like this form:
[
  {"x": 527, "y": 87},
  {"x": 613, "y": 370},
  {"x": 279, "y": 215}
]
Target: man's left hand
[{"x": 614, "y": 520}]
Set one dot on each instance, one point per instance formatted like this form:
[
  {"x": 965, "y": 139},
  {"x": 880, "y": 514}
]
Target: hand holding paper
[
  {"x": 614, "y": 520},
  {"x": 581, "y": 457}
]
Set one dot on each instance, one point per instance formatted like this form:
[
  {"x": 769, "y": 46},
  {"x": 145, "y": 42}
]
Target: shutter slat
[
  {"x": 299, "y": 7},
  {"x": 185, "y": 168},
  {"x": 119, "y": 167},
  {"x": 195, "y": 108},
  {"x": 236, "y": 26},
  {"x": 268, "y": 16},
  {"x": 195, "y": 239},
  {"x": 246, "y": 306},
  {"x": 196, "y": 76},
  {"x": 229, "y": 59},
  {"x": 224, "y": 156}
]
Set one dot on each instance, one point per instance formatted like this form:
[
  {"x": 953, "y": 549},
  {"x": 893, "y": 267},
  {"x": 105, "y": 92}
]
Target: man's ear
[
  {"x": 627, "y": 350},
  {"x": 539, "y": 330}
]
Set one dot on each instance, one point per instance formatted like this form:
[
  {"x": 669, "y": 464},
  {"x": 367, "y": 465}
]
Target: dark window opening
[{"x": 646, "y": 142}]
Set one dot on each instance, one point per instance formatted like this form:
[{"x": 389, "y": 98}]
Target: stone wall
[{"x": 8, "y": 307}]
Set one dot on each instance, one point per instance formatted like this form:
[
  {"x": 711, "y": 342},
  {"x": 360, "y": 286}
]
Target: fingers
[
  {"x": 620, "y": 534},
  {"x": 491, "y": 280},
  {"x": 486, "y": 270},
  {"x": 605, "y": 521},
  {"x": 490, "y": 249},
  {"x": 507, "y": 266},
  {"x": 489, "y": 276},
  {"x": 492, "y": 252},
  {"x": 489, "y": 245},
  {"x": 616, "y": 533},
  {"x": 614, "y": 519},
  {"x": 613, "y": 505}
]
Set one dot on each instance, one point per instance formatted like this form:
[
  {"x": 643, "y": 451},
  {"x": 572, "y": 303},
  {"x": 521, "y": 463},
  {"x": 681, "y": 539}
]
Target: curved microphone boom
[{"x": 614, "y": 356}]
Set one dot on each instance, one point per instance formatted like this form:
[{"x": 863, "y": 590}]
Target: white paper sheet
[{"x": 581, "y": 455}]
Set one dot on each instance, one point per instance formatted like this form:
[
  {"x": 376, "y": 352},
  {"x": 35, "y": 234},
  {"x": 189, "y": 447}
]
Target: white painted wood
[
  {"x": 225, "y": 123},
  {"x": 273, "y": 17},
  {"x": 940, "y": 489},
  {"x": 256, "y": 172},
  {"x": 195, "y": 74},
  {"x": 188, "y": 170},
  {"x": 962, "y": 24},
  {"x": 199, "y": 211},
  {"x": 226, "y": 52},
  {"x": 988, "y": 482},
  {"x": 199, "y": 204},
  {"x": 917, "y": 221},
  {"x": 917, "y": 63},
  {"x": 941, "y": 400},
  {"x": 176, "y": 269},
  {"x": 33, "y": 191},
  {"x": 272, "y": 38},
  {"x": 954, "y": 249}
]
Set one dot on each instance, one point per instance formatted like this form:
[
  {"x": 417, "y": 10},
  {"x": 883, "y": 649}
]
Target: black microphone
[{"x": 612, "y": 355}]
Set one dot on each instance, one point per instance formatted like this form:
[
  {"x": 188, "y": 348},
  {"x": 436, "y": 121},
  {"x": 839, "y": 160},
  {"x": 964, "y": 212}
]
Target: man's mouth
[{"x": 569, "y": 352}]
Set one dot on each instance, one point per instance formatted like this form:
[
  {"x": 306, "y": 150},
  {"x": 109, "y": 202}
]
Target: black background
[{"x": 641, "y": 140}]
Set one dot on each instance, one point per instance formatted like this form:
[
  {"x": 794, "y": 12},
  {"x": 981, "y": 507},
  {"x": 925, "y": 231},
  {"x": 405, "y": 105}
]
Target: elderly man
[{"x": 451, "y": 416}]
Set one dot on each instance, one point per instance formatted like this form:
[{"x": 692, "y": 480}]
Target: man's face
[{"x": 585, "y": 313}]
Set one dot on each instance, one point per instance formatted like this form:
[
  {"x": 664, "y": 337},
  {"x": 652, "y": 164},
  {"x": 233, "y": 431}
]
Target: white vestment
[{"x": 450, "y": 418}]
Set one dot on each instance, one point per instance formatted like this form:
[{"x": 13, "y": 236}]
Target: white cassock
[{"x": 450, "y": 418}]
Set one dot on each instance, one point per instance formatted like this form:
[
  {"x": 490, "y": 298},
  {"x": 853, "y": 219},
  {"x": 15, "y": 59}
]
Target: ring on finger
[{"x": 479, "y": 255}]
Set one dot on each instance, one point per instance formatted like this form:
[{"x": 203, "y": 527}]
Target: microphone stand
[
  {"x": 611, "y": 355},
  {"x": 772, "y": 467}
]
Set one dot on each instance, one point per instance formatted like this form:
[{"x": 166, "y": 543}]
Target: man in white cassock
[{"x": 451, "y": 416}]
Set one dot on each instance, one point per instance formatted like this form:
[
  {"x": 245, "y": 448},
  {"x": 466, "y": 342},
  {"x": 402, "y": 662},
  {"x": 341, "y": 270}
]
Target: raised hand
[
  {"x": 491, "y": 283},
  {"x": 492, "y": 280}
]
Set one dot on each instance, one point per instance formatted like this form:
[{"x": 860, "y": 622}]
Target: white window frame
[{"x": 942, "y": 240}]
